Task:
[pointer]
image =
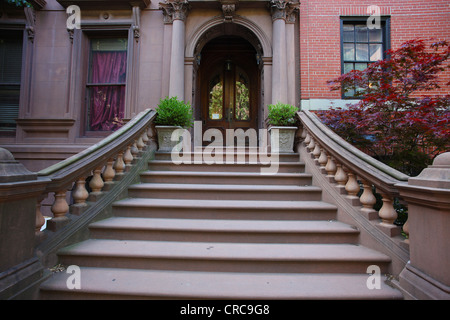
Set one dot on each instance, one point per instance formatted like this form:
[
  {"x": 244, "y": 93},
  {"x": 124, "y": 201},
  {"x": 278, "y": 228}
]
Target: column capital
[
  {"x": 174, "y": 10},
  {"x": 283, "y": 9}
]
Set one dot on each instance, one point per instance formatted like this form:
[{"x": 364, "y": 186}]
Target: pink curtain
[{"x": 107, "y": 103}]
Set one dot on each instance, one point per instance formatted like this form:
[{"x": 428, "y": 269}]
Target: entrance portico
[{"x": 267, "y": 26}]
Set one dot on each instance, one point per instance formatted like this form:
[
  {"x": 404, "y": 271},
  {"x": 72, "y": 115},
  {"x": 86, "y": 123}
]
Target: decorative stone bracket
[{"x": 229, "y": 8}]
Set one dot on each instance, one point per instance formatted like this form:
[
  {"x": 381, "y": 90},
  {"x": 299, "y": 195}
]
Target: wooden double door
[{"x": 229, "y": 82}]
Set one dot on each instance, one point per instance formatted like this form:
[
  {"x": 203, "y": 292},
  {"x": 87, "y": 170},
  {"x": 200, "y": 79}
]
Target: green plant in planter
[
  {"x": 173, "y": 112},
  {"x": 281, "y": 114}
]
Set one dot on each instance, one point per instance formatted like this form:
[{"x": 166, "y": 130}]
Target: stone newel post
[{"x": 427, "y": 274}]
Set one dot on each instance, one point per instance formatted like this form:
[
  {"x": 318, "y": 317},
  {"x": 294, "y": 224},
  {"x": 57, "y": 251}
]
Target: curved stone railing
[
  {"x": 72, "y": 193},
  {"x": 356, "y": 177},
  {"x": 85, "y": 178}
]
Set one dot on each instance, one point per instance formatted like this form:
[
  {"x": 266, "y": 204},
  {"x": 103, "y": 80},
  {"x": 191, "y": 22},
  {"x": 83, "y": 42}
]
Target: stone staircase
[{"x": 221, "y": 231}]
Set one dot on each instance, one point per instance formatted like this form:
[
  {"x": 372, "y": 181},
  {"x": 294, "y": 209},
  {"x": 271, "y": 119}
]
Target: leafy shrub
[
  {"x": 281, "y": 114},
  {"x": 173, "y": 112},
  {"x": 400, "y": 119}
]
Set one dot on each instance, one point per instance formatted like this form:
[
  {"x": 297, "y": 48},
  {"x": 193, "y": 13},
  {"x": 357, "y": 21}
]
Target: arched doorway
[{"x": 229, "y": 83}]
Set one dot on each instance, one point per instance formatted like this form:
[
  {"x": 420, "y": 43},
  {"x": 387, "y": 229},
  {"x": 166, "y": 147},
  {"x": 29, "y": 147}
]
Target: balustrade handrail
[
  {"x": 380, "y": 174},
  {"x": 66, "y": 171}
]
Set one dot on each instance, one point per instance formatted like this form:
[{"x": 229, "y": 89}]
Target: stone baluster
[
  {"x": 59, "y": 210},
  {"x": 140, "y": 144},
  {"x": 145, "y": 138},
  {"x": 108, "y": 175},
  {"x": 330, "y": 168},
  {"x": 323, "y": 159},
  {"x": 388, "y": 215},
  {"x": 79, "y": 195},
  {"x": 368, "y": 200},
  {"x": 304, "y": 133},
  {"x": 96, "y": 184},
  {"x": 128, "y": 159},
  {"x": 311, "y": 145},
  {"x": 307, "y": 138},
  {"x": 119, "y": 166},
  {"x": 316, "y": 152},
  {"x": 406, "y": 231},
  {"x": 340, "y": 177},
  {"x": 135, "y": 151},
  {"x": 352, "y": 187}
]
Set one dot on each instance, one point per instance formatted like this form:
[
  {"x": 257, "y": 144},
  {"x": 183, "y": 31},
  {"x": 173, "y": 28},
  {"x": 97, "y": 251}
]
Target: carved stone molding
[
  {"x": 229, "y": 8},
  {"x": 136, "y": 22},
  {"x": 291, "y": 11},
  {"x": 174, "y": 10},
  {"x": 30, "y": 17},
  {"x": 284, "y": 9}
]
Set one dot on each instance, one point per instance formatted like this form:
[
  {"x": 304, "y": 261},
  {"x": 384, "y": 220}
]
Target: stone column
[
  {"x": 290, "y": 52},
  {"x": 279, "y": 66},
  {"x": 175, "y": 11}
]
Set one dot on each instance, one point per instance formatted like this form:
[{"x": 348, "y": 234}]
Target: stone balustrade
[
  {"x": 70, "y": 193},
  {"x": 359, "y": 178}
]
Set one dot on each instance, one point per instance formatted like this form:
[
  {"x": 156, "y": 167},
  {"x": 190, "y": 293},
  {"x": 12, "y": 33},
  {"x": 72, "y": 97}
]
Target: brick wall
[{"x": 320, "y": 51}]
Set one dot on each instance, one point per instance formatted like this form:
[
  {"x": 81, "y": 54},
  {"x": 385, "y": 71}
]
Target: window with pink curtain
[{"x": 106, "y": 86}]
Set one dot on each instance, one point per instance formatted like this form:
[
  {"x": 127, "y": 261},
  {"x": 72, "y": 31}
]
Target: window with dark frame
[
  {"x": 11, "y": 46},
  {"x": 106, "y": 85},
  {"x": 361, "y": 46}
]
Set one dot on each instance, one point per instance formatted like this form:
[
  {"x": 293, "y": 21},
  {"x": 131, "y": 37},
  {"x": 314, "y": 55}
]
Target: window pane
[
  {"x": 216, "y": 99},
  {"x": 375, "y": 35},
  {"x": 349, "y": 93},
  {"x": 362, "y": 52},
  {"x": 348, "y": 67},
  {"x": 349, "y": 32},
  {"x": 10, "y": 58},
  {"x": 242, "y": 107},
  {"x": 9, "y": 107},
  {"x": 10, "y": 77},
  {"x": 375, "y": 52},
  {"x": 349, "y": 51},
  {"x": 109, "y": 44},
  {"x": 360, "y": 66},
  {"x": 108, "y": 65},
  {"x": 361, "y": 33},
  {"x": 107, "y": 105}
]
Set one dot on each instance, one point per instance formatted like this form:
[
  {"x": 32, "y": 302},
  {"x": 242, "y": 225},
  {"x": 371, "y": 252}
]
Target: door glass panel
[
  {"x": 215, "y": 108},
  {"x": 242, "y": 108}
]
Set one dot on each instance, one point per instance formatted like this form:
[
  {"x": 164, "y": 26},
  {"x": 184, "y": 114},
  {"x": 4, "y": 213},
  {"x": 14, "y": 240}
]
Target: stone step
[
  {"x": 236, "y": 155},
  {"x": 277, "y": 167},
  {"x": 114, "y": 283},
  {"x": 205, "y": 177},
  {"x": 227, "y": 209},
  {"x": 215, "y": 230},
  {"x": 223, "y": 257},
  {"x": 225, "y": 192}
]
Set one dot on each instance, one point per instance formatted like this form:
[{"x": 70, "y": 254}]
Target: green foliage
[
  {"x": 20, "y": 3},
  {"x": 281, "y": 114},
  {"x": 173, "y": 112}
]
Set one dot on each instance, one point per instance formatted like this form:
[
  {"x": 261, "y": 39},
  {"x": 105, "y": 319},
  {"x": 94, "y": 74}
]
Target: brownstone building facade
[{"x": 74, "y": 71}]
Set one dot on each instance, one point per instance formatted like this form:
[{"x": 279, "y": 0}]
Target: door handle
[{"x": 229, "y": 112}]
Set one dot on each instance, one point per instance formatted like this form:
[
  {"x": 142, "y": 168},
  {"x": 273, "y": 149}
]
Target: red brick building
[
  {"x": 278, "y": 50},
  {"x": 322, "y": 42}
]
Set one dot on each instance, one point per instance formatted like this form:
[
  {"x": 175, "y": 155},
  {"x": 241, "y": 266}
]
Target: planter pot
[
  {"x": 282, "y": 138},
  {"x": 167, "y": 141}
]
